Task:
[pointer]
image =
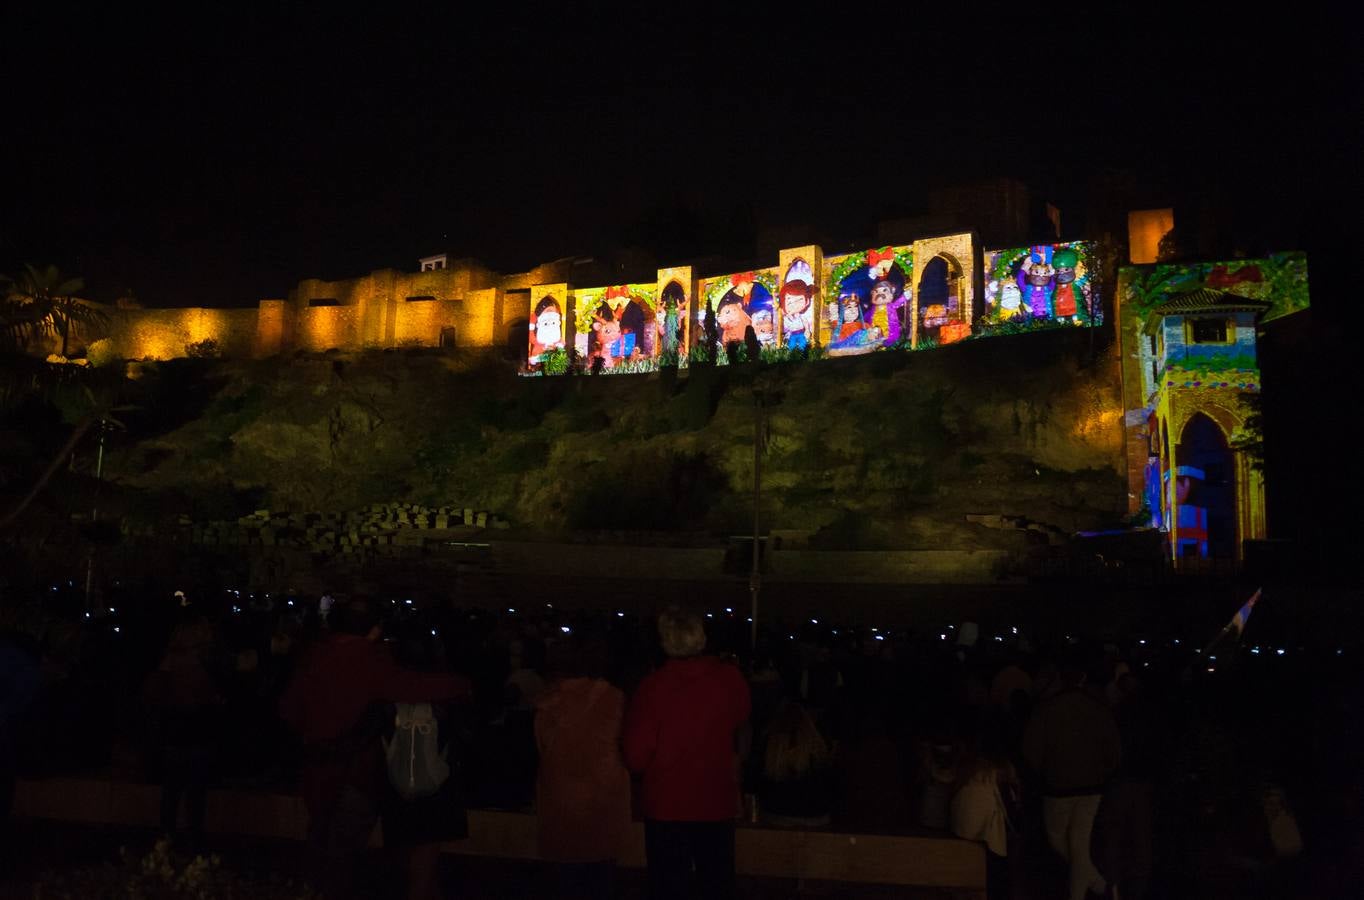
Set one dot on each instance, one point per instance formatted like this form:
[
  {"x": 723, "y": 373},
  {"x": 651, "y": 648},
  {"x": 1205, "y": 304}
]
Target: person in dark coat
[
  {"x": 1072, "y": 744},
  {"x": 680, "y": 739},
  {"x": 184, "y": 698}
]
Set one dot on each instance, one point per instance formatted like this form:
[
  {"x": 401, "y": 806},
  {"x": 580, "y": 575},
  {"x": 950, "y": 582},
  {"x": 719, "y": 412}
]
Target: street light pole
[
  {"x": 755, "y": 574},
  {"x": 94, "y": 515}
]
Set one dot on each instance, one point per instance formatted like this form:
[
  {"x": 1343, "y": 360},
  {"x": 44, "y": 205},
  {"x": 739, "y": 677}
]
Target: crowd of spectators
[{"x": 1128, "y": 761}]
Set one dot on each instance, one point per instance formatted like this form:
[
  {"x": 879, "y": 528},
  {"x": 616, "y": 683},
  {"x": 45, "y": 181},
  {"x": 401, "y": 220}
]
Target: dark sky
[{"x": 217, "y": 160}]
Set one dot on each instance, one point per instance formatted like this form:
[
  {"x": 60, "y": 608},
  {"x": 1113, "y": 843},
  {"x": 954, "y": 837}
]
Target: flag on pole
[{"x": 1238, "y": 621}]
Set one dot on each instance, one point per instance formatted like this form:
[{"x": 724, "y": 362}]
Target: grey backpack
[{"x": 417, "y": 767}]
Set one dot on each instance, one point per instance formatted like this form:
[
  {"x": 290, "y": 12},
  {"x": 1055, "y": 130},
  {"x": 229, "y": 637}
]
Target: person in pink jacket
[{"x": 582, "y": 789}]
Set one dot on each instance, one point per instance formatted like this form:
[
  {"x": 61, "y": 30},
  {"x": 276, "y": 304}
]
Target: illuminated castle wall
[
  {"x": 1187, "y": 335},
  {"x": 933, "y": 291},
  {"x": 463, "y": 303}
]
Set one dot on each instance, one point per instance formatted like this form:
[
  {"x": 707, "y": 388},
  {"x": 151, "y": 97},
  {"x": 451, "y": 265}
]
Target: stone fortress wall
[{"x": 463, "y": 303}]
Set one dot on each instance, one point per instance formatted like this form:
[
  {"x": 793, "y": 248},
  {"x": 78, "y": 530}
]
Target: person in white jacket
[{"x": 983, "y": 809}]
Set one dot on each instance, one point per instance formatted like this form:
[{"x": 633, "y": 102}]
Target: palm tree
[
  {"x": 45, "y": 300},
  {"x": 22, "y": 318}
]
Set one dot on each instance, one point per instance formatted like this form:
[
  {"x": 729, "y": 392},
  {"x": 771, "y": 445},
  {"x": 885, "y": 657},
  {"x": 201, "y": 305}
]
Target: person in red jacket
[
  {"x": 680, "y": 738},
  {"x": 331, "y": 705}
]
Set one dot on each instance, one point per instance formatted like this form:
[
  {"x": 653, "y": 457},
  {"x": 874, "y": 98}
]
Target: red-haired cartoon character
[{"x": 797, "y": 316}]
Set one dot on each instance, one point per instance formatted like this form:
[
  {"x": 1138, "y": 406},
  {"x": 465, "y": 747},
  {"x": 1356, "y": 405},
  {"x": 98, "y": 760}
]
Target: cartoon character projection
[
  {"x": 546, "y": 329},
  {"x": 623, "y": 328},
  {"x": 1068, "y": 297},
  {"x": 796, "y": 301},
  {"x": 797, "y": 319},
  {"x": 608, "y": 345},
  {"x": 872, "y": 303},
  {"x": 1010, "y": 301},
  {"x": 747, "y": 302},
  {"x": 1036, "y": 280},
  {"x": 732, "y": 318},
  {"x": 853, "y": 333},
  {"x": 1191, "y": 534},
  {"x": 887, "y": 294}
]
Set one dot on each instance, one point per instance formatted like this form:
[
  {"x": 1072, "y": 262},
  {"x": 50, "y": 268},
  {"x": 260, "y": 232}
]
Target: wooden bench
[{"x": 925, "y": 861}]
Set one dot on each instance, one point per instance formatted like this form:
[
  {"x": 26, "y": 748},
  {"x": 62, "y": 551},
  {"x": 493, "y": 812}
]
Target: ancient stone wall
[{"x": 166, "y": 333}]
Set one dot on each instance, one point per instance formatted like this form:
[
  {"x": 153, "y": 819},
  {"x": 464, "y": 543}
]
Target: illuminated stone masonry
[
  {"x": 933, "y": 291},
  {"x": 1187, "y": 335}
]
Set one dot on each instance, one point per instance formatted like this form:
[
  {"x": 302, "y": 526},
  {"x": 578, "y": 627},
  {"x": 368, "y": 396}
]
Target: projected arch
[
  {"x": 1205, "y": 491},
  {"x": 942, "y": 305}
]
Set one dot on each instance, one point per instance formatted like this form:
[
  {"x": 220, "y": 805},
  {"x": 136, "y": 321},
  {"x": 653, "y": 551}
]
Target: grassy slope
[{"x": 891, "y": 451}]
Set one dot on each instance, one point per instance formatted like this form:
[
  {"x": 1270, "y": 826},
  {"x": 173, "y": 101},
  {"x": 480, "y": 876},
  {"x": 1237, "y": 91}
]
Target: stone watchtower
[{"x": 1201, "y": 489}]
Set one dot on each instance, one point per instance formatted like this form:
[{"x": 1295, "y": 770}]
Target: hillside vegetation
[{"x": 886, "y": 451}]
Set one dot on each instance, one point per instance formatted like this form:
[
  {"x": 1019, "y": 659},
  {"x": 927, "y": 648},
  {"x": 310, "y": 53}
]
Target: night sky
[{"x": 216, "y": 160}]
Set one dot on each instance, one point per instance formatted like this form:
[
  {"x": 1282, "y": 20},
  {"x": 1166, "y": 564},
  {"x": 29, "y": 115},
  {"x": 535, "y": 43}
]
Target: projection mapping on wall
[
  {"x": 869, "y": 301},
  {"x": 1190, "y": 358}
]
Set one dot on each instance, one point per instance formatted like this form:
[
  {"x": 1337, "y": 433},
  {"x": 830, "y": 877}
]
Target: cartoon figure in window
[
  {"x": 1010, "y": 302},
  {"x": 853, "y": 334},
  {"x": 1036, "y": 279},
  {"x": 797, "y": 322},
  {"x": 732, "y": 316},
  {"x": 887, "y": 309},
  {"x": 1068, "y": 298},
  {"x": 887, "y": 294},
  {"x": 610, "y": 345},
  {"x": 764, "y": 322},
  {"x": 546, "y": 329}
]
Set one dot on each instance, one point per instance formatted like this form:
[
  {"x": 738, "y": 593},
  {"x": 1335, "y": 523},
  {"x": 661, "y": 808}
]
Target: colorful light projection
[
  {"x": 617, "y": 329},
  {"x": 1040, "y": 287},
  {"x": 1189, "y": 360},
  {"x": 546, "y": 331},
  {"x": 797, "y": 304},
  {"x": 870, "y": 301},
  {"x": 735, "y": 302},
  {"x": 1279, "y": 279},
  {"x": 876, "y": 299}
]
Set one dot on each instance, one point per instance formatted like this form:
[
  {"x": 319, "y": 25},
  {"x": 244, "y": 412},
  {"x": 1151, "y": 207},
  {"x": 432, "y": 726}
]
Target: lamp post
[
  {"x": 94, "y": 514},
  {"x": 755, "y": 574}
]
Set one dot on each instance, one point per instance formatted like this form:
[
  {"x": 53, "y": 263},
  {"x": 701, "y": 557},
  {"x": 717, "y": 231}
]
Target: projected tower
[{"x": 1200, "y": 346}]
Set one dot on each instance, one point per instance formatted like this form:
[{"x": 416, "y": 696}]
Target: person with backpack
[
  {"x": 424, "y": 804},
  {"x": 330, "y": 704}
]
